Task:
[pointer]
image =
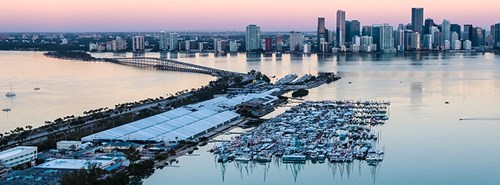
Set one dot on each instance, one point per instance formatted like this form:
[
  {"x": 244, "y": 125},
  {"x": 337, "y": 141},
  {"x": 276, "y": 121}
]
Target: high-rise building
[
  {"x": 467, "y": 45},
  {"x": 497, "y": 35},
  {"x": 399, "y": 40},
  {"x": 279, "y": 43},
  {"x": 233, "y": 46},
  {"x": 321, "y": 31},
  {"x": 456, "y": 28},
  {"x": 366, "y": 31},
  {"x": 138, "y": 43},
  {"x": 296, "y": 41},
  {"x": 445, "y": 29},
  {"x": 386, "y": 39},
  {"x": 429, "y": 23},
  {"x": 163, "y": 45},
  {"x": 454, "y": 37},
  {"x": 407, "y": 42},
  {"x": 467, "y": 34},
  {"x": 478, "y": 37},
  {"x": 268, "y": 44},
  {"x": 367, "y": 44},
  {"x": 324, "y": 47},
  {"x": 253, "y": 38},
  {"x": 341, "y": 28},
  {"x": 417, "y": 19},
  {"x": 173, "y": 44},
  {"x": 354, "y": 29},
  {"x": 415, "y": 41},
  {"x": 375, "y": 33},
  {"x": 427, "y": 42}
]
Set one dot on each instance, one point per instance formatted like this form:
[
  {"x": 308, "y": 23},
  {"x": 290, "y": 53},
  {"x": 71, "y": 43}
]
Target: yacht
[
  {"x": 6, "y": 109},
  {"x": 11, "y": 92}
]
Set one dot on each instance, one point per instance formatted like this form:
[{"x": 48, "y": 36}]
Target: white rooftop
[
  {"x": 15, "y": 151},
  {"x": 74, "y": 164}
]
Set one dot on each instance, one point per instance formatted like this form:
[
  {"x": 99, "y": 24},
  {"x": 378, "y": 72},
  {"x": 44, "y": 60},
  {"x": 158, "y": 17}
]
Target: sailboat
[
  {"x": 11, "y": 92},
  {"x": 37, "y": 88}
]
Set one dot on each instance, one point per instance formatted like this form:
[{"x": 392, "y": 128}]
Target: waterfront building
[
  {"x": 356, "y": 43},
  {"x": 468, "y": 30},
  {"x": 367, "y": 44},
  {"x": 307, "y": 48},
  {"x": 331, "y": 37},
  {"x": 77, "y": 164},
  {"x": 415, "y": 41},
  {"x": 467, "y": 45},
  {"x": 446, "y": 45},
  {"x": 279, "y": 43},
  {"x": 324, "y": 47},
  {"x": 386, "y": 39},
  {"x": 163, "y": 44},
  {"x": 341, "y": 31},
  {"x": 184, "y": 123},
  {"x": 456, "y": 28},
  {"x": 321, "y": 31},
  {"x": 456, "y": 45},
  {"x": 296, "y": 41},
  {"x": 138, "y": 43},
  {"x": 417, "y": 19},
  {"x": 268, "y": 44},
  {"x": 18, "y": 155},
  {"x": 429, "y": 23},
  {"x": 445, "y": 30},
  {"x": 220, "y": 46},
  {"x": 233, "y": 46},
  {"x": 399, "y": 40},
  {"x": 427, "y": 42},
  {"x": 201, "y": 47},
  {"x": 407, "y": 38},
  {"x": 497, "y": 35},
  {"x": 376, "y": 35},
  {"x": 478, "y": 37},
  {"x": 121, "y": 44},
  {"x": 453, "y": 38},
  {"x": 173, "y": 42},
  {"x": 253, "y": 39}
]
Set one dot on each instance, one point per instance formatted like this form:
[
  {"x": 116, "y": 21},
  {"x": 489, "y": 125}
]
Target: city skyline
[{"x": 224, "y": 15}]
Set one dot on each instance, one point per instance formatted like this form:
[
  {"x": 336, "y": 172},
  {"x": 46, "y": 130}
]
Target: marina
[{"x": 337, "y": 131}]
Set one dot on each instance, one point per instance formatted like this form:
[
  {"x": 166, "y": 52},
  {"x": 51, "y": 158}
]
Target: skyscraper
[
  {"x": 477, "y": 37},
  {"x": 279, "y": 43},
  {"x": 417, "y": 19},
  {"x": 268, "y": 44},
  {"x": 467, "y": 34},
  {"x": 429, "y": 23},
  {"x": 253, "y": 38},
  {"x": 355, "y": 29},
  {"x": 456, "y": 28},
  {"x": 386, "y": 39},
  {"x": 321, "y": 32},
  {"x": 138, "y": 43},
  {"x": 399, "y": 40},
  {"x": 340, "y": 28},
  {"x": 173, "y": 44},
  {"x": 497, "y": 36},
  {"x": 296, "y": 41},
  {"x": 163, "y": 45},
  {"x": 375, "y": 33},
  {"x": 445, "y": 29}
]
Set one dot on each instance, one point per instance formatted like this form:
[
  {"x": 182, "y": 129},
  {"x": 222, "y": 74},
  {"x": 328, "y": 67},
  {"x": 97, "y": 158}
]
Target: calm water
[{"x": 424, "y": 140}]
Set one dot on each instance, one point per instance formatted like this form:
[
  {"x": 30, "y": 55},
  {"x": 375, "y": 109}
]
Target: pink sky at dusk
[{"x": 228, "y": 15}]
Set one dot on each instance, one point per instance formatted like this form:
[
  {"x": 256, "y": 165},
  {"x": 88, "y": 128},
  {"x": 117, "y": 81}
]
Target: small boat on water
[
  {"x": 294, "y": 158},
  {"x": 37, "y": 88},
  {"x": 6, "y": 110},
  {"x": 11, "y": 92}
]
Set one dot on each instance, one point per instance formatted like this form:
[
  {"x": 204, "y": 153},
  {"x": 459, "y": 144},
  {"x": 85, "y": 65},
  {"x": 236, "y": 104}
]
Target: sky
[{"x": 227, "y": 15}]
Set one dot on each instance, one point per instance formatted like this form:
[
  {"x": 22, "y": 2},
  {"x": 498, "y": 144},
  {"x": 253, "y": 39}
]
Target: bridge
[{"x": 171, "y": 65}]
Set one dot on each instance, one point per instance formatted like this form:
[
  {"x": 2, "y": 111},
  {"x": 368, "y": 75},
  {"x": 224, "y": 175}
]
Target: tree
[{"x": 132, "y": 154}]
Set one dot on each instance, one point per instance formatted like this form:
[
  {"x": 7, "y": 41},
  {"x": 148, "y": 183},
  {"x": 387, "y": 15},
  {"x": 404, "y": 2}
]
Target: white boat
[
  {"x": 11, "y": 92},
  {"x": 6, "y": 109},
  {"x": 37, "y": 88}
]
